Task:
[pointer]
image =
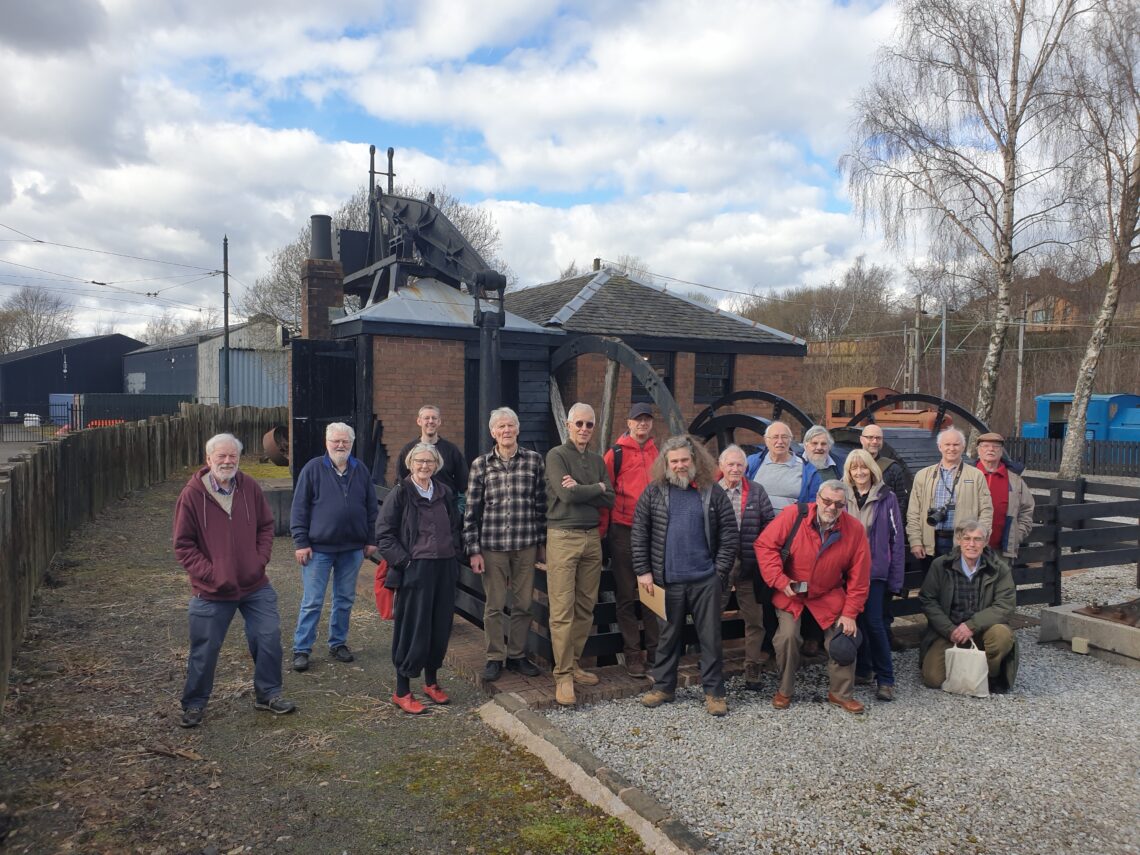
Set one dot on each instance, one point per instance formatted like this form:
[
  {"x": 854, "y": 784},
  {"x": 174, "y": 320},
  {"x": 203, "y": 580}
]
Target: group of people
[{"x": 814, "y": 548}]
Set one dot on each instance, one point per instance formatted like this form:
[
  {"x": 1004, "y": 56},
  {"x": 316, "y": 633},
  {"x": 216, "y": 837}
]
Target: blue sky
[{"x": 701, "y": 137}]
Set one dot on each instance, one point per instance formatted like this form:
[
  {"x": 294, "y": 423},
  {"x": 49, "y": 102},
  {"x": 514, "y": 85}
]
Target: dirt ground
[{"x": 92, "y": 758}]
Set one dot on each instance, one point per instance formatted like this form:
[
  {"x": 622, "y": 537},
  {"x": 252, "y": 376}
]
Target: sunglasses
[
  {"x": 833, "y": 503},
  {"x": 589, "y": 425}
]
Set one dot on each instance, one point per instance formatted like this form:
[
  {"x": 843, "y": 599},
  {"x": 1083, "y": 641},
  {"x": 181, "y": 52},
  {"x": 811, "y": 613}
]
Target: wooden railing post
[{"x": 1056, "y": 497}]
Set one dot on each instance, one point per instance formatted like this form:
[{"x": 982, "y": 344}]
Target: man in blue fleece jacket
[{"x": 332, "y": 520}]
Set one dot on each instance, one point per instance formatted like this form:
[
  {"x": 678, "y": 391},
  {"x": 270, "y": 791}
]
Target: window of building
[
  {"x": 1041, "y": 316},
  {"x": 842, "y": 408},
  {"x": 660, "y": 361},
  {"x": 713, "y": 377}
]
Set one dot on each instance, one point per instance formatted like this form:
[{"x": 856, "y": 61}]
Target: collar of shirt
[
  {"x": 966, "y": 571},
  {"x": 219, "y": 489},
  {"x": 509, "y": 457}
]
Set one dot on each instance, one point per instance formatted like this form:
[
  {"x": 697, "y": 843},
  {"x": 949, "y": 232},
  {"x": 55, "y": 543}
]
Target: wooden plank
[
  {"x": 1100, "y": 558},
  {"x": 1102, "y": 535},
  {"x": 1098, "y": 510}
]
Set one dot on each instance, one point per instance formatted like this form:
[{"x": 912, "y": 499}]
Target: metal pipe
[
  {"x": 320, "y": 237},
  {"x": 225, "y": 321}
]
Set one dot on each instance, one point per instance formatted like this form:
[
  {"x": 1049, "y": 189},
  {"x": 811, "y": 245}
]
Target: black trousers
[
  {"x": 425, "y": 603},
  {"x": 702, "y": 601}
]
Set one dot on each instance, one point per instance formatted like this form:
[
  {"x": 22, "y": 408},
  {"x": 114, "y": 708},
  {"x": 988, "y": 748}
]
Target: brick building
[{"x": 420, "y": 345}]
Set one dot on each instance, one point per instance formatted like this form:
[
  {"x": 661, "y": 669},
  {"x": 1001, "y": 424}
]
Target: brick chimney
[{"x": 322, "y": 281}]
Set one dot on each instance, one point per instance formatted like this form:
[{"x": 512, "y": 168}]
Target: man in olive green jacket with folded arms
[{"x": 577, "y": 487}]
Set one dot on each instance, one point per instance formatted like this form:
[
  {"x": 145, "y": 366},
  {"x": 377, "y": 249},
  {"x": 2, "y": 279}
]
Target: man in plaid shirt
[{"x": 504, "y": 532}]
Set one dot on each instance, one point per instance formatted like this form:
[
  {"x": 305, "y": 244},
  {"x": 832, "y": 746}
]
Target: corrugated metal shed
[{"x": 258, "y": 378}]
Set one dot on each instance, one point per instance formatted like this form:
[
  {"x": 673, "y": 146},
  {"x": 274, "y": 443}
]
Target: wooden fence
[
  {"x": 1102, "y": 457},
  {"x": 1071, "y": 533},
  {"x": 53, "y": 488}
]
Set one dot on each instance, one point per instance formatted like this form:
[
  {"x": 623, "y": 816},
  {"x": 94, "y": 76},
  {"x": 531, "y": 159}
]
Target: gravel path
[{"x": 1052, "y": 767}]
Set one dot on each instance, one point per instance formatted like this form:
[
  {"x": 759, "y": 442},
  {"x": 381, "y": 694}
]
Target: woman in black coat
[{"x": 418, "y": 533}]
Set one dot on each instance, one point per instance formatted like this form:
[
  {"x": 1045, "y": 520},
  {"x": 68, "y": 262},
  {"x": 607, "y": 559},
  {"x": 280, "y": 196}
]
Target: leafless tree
[
  {"x": 948, "y": 139},
  {"x": 570, "y": 270},
  {"x": 168, "y": 325},
  {"x": 35, "y": 317},
  {"x": 277, "y": 293},
  {"x": 1098, "y": 117},
  {"x": 7, "y": 332}
]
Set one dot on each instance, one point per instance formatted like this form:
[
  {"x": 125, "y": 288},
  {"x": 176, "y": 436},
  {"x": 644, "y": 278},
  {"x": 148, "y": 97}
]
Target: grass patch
[{"x": 264, "y": 470}]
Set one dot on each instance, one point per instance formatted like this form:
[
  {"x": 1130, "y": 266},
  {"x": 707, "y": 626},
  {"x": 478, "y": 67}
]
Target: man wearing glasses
[
  {"x": 332, "y": 521},
  {"x": 784, "y": 476},
  {"x": 577, "y": 488},
  {"x": 969, "y": 594},
  {"x": 828, "y": 573}
]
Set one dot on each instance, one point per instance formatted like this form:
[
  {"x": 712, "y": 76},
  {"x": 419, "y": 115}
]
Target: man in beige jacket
[{"x": 947, "y": 490}]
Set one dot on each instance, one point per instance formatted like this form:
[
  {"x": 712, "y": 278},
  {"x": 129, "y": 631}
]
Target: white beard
[
  {"x": 817, "y": 460},
  {"x": 681, "y": 482}
]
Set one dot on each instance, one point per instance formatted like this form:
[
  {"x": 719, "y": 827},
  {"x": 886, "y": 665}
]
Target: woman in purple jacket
[{"x": 874, "y": 504}]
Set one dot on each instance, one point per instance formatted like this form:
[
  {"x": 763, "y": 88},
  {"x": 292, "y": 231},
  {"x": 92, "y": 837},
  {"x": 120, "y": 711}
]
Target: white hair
[
  {"x": 500, "y": 414},
  {"x": 818, "y": 430},
  {"x": 340, "y": 427},
  {"x": 961, "y": 435},
  {"x": 579, "y": 408},
  {"x": 217, "y": 439},
  {"x": 731, "y": 449}
]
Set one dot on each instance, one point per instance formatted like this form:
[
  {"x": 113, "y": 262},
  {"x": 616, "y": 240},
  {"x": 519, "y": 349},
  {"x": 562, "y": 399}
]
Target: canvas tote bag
[{"x": 967, "y": 671}]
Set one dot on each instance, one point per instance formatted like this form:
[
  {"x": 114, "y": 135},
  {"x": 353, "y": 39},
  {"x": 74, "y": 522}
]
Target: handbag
[
  {"x": 967, "y": 671},
  {"x": 385, "y": 597}
]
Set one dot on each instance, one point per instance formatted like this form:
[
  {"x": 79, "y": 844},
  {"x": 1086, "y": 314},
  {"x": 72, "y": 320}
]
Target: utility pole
[
  {"x": 1020, "y": 363},
  {"x": 917, "y": 340},
  {"x": 943, "y": 349},
  {"x": 225, "y": 321}
]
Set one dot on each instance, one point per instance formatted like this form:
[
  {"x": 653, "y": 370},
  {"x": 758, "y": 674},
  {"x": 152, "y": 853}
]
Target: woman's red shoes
[
  {"x": 409, "y": 704},
  {"x": 436, "y": 694}
]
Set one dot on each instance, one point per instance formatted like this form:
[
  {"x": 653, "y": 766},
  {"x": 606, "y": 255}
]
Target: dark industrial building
[{"x": 74, "y": 365}]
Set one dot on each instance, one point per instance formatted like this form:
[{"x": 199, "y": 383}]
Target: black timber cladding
[
  {"x": 645, "y": 317},
  {"x": 94, "y": 364}
]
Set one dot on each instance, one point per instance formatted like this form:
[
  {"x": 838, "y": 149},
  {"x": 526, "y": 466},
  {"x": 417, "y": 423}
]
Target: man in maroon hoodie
[{"x": 223, "y": 536}]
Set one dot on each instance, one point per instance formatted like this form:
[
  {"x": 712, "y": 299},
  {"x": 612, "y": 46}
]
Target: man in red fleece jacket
[{"x": 223, "y": 536}]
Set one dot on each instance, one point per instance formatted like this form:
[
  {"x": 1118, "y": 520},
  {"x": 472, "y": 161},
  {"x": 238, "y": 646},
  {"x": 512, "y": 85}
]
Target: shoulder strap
[
  {"x": 616, "y": 449},
  {"x": 786, "y": 549}
]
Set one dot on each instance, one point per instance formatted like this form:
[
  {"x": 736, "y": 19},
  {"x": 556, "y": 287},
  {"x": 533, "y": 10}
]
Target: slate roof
[
  {"x": 191, "y": 338},
  {"x": 55, "y": 346},
  {"x": 609, "y": 303}
]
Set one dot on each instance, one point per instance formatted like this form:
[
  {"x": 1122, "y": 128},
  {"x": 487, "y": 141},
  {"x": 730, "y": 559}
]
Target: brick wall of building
[
  {"x": 584, "y": 380},
  {"x": 411, "y": 372}
]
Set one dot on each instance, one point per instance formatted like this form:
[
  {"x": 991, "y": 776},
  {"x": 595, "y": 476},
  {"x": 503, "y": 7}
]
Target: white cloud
[{"x": 708, "y": 131}]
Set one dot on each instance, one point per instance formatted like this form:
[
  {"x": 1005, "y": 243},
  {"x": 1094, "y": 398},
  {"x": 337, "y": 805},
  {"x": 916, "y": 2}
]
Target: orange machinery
[{"x": 841, "y": 405}]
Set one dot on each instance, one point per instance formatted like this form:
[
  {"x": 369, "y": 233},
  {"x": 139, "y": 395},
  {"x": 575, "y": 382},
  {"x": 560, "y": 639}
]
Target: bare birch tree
[
  {"x": 33, "y": 317},
  {"x": 947, "y": 139},
  {"x": 1098, "y": 116}
]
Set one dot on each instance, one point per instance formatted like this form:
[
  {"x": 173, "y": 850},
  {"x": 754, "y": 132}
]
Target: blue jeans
[
  {"x": 344, "y": 567},
  {"x": 875, "y": 653},
  {"x": 209, "y": 622}
]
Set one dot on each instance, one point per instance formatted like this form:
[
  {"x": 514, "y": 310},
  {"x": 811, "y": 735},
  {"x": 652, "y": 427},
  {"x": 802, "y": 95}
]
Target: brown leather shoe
[
  {"x": 586, "y": 678},
  {"x": 656, "y": 698},
  {"x": 564, "y": 692},
  {"x": 716, "y": 705},
  {"x": 781, "y": 701},
  {"x": 849, "y": 705}
]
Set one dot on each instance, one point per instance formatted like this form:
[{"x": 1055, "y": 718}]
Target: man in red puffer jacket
[
  {"x": 628, "y": 464},
  {"x": 828, "y": 572}
]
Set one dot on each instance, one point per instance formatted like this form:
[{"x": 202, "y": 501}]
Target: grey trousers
[
  {"x": 702, "y": 601},
  {"x": 787, "y": 644}
]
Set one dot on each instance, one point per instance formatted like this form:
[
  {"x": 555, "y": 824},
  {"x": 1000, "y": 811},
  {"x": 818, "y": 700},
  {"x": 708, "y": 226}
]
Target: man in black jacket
[
  {"x": 685, "y": 539},
  {"x": 753, "y": 512}
]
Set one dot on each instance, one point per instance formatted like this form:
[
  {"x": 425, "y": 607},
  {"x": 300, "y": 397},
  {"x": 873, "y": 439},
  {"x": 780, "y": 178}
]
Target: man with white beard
[
  {"x": 817, "y": 451},
  {"x": 332, "y": 522}
]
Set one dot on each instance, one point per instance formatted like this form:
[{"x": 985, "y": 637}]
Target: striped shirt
[{"x": 506, "y": 503}]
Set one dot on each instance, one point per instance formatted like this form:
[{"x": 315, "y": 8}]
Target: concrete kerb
[{"x": 589, "y": 778}]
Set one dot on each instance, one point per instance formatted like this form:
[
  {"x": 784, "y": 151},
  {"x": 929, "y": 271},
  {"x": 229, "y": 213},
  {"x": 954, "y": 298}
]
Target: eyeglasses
[
  {"x": 339, "y": 441},
  {"x": 973, "y": 539},
  {"x": 781, "y": 438},
  {"x": 428, "y": 462},
  {"x": 833, "y": 503},
  {"x": 581, "y": 424}
]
